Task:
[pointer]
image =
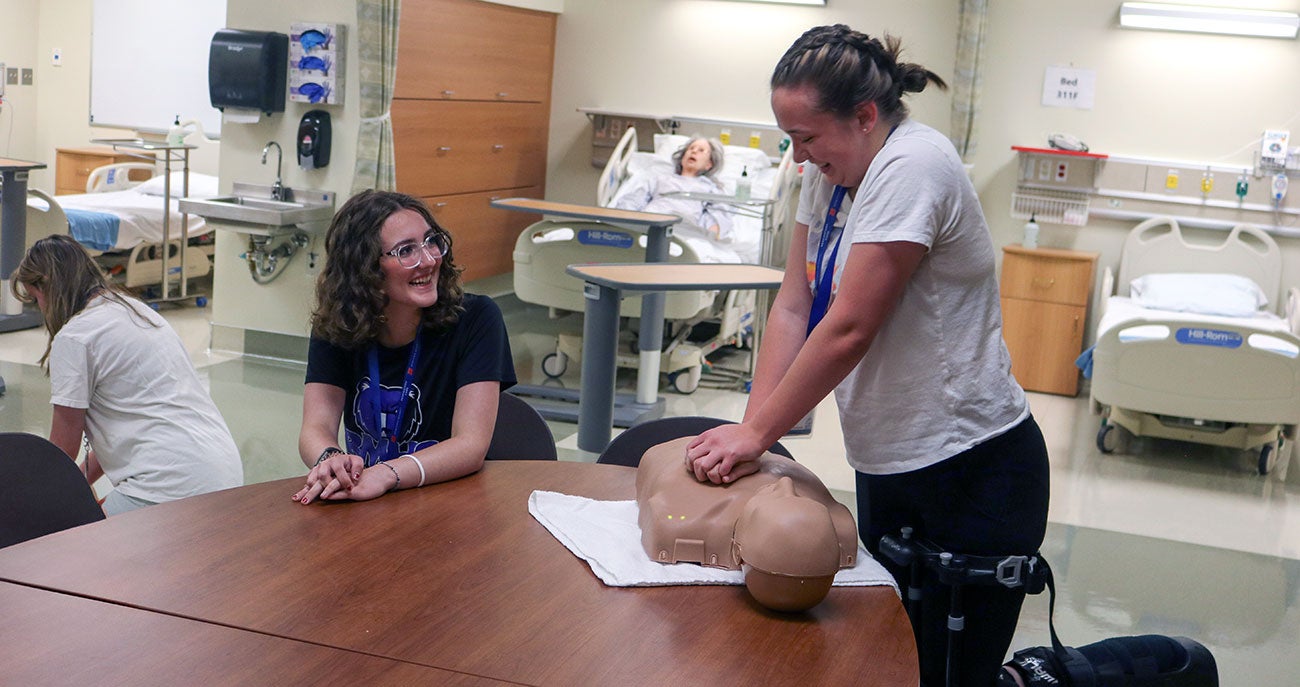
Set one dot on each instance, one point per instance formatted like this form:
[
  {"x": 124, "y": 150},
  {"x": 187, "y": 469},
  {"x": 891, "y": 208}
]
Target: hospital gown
[{"x": 647, "y": 193}]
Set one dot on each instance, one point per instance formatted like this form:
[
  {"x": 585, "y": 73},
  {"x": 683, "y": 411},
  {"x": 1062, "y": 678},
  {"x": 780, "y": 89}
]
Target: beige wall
[
  {"x": 706, "y": 58},
  {"x": 18, "y": 49}
]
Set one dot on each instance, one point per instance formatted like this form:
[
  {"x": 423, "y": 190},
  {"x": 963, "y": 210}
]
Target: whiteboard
[{"x": 149, "y": 62}]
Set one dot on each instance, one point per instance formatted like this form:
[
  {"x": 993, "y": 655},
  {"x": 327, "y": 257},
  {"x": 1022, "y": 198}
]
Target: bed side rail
[{"x": 117, "y": 176}]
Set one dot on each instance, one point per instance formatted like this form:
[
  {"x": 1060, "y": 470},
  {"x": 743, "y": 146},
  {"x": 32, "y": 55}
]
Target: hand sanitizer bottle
[
  {"x": 1031, "y": 234},
  {"x": 743, "y": 184},
  {"x": 176, "y": 134}
]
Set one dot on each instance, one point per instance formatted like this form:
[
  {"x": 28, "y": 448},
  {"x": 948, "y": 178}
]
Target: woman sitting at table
[
  {"x": 705, "y": 224},
  {"x": 410, "y": 363},
  {"x": 120, "y": 376}
]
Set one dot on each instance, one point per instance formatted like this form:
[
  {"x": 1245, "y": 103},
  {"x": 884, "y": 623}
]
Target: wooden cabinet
[
  {"x": 471, "y": 114},
  {"x": 1044, "y": 313},
  {"x": 72, "y": 166}
]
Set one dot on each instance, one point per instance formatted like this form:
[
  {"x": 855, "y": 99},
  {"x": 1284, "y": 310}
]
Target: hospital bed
[
  {"x": 120, "y": 222},
  {"x": 1186, "y": 349},
  {"x": 699, "y": 322}
]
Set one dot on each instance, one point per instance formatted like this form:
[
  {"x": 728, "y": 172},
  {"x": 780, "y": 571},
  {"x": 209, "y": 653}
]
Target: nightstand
[{"x": 1044, "y": 314}]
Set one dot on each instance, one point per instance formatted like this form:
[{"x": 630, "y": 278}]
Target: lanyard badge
[
  {"x": 824, "y": 274},
  {"x": 387, "y": 433}
]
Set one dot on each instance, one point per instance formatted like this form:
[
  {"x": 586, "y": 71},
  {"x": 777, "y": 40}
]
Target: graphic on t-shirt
[{"x": 365, "y": 443}]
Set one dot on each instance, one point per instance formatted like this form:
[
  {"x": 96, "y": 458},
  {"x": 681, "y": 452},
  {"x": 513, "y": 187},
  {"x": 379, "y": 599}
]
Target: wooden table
[
  {"x": 459, "y": 577},
  {"x": 60, "y": 639}
]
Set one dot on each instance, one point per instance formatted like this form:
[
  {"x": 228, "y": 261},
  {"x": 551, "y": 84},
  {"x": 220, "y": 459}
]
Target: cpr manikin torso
[{"x": 780, "y": 525}]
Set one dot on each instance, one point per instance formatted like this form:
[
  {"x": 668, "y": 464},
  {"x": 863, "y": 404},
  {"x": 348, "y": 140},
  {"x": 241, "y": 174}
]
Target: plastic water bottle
[
  {"x": 743, "y": 184},
  {"x": 1031, "y": 234}
]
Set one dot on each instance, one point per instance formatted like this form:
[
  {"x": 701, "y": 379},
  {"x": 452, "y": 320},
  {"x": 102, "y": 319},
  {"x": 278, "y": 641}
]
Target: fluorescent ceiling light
[
  {"x": 791, "y": 2},
  {"x": 1202, "y": 19}
]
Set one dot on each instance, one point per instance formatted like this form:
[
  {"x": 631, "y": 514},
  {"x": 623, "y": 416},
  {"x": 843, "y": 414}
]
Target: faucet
[{"x": 277, "y": 191}]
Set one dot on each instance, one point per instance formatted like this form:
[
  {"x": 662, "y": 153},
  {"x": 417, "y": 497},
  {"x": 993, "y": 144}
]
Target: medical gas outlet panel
[{"x": 1067, "y": 187}]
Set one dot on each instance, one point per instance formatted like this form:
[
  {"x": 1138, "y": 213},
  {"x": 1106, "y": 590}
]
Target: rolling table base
[{"x": 558, "y": 404}]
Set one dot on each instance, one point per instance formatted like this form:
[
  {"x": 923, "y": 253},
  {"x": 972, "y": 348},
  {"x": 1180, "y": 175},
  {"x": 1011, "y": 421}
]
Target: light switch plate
[
  {"x": 56, "y": 58},
  {"x": 27, "y": 76}
]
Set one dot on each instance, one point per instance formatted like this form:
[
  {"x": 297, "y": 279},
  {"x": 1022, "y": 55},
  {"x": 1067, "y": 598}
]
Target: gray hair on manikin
[{"x": 715, "y": 155}]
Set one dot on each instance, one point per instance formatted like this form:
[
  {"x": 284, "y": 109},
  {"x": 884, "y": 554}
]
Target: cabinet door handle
[
  {"x": 1039, "y": 282},
  {"x": 496, "y": 148},
  {"x": 439, "y": 205},
  {"x": 1074, "y": 329},
  {"x": 444, "y": 149},
  {"x": 448, "y": 93},
  {"x": 502, "y": 94}
]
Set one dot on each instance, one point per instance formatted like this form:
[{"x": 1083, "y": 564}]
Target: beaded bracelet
[
  {"x": 418, "y": 464},
  {"x": 395, "y": 476}
]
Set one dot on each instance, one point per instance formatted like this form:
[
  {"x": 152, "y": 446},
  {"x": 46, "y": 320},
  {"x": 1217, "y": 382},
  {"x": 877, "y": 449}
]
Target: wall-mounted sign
[{"x": 1069, "y": 87}]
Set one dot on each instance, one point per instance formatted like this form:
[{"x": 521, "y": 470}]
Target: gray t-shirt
[{"x": 937, "y": 378}]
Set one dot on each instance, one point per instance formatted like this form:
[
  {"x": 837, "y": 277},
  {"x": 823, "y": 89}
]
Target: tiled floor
[{"x": 1167, "y": 538}]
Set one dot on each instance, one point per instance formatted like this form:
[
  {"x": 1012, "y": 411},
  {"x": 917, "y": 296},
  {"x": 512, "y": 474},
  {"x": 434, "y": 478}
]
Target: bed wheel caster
[
  {"x": 686, "y": 381},
  {"x": 1107, "y": 438},
  {"x": 1265, "y": 454},
  {"x": 554, "y": 365}
]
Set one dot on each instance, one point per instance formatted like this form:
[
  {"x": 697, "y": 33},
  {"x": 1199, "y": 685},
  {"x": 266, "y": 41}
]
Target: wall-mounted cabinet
[{"x": 471, "y": 114}]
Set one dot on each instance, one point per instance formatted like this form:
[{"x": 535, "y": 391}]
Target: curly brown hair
[{"x": 350, "y": 299}]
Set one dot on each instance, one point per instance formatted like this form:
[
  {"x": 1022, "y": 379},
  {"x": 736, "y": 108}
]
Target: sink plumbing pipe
[{"x": 266, "y": 264}]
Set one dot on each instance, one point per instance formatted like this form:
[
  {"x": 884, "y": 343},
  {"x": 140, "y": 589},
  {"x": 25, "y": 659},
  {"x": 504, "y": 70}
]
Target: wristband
[
  {"x": 326, "y": 454},
  {"x": 418, "y": 464},
  {"x": 395, "y": 476}
]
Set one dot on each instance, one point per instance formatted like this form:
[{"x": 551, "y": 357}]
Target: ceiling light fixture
[{"x": 1203, "y": 19}]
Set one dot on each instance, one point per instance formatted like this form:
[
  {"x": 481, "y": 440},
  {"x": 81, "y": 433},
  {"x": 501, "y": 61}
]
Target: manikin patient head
[
  {"x": 699, "y": 157},
  {"x": 780, "y": 525}
]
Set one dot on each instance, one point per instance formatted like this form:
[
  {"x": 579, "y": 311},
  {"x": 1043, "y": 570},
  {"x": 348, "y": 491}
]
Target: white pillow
[
  {"x": 1230, "y": 295},
  {"x": 738, "y": 158},
  {"x": 201, "y": 185},
  {"x": 667, "y": 144}
]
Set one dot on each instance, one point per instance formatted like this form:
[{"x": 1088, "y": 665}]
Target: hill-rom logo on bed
[
  {"x": 1208, "y": 337},
  {"x": 602, "y": 237}
]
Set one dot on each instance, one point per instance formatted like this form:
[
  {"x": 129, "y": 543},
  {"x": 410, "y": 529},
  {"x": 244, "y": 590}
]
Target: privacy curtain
[
  {"x": 968, "y": 75},
  {"x": 377, "y": 45}
]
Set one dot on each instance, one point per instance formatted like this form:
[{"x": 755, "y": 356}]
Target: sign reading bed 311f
[
  {"x": 1069, "y": 87},
  {"x": 1208, "y": 337}
]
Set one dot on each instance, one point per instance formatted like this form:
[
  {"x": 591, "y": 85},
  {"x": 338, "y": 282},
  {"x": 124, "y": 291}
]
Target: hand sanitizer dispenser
[{"x": 314, "y": 140}]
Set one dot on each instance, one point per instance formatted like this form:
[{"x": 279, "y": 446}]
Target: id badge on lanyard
[
  {"x": 387, "y": 447},
  {"x": 824, "y": 274}
]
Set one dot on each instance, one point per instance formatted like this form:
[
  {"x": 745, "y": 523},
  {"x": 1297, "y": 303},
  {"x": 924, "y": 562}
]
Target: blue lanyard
[
  {"x": 824, "y": 271},
  {"x": 388, "y": 448}
]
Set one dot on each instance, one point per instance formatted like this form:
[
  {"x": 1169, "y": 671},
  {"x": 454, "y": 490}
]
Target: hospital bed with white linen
[
  {"x": 699, "y": 322},
  {"x": 1188, "y": 349},
  {"x": 121, "y": 222}
]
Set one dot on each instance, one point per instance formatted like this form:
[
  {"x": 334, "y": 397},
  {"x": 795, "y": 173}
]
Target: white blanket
[{"x": 605, "y": 534}]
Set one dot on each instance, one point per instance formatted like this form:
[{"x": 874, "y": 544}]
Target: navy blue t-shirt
[{"x": 475, "y": 349}]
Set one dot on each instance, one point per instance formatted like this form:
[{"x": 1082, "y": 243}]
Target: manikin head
[{"x": 787, "y": 547}]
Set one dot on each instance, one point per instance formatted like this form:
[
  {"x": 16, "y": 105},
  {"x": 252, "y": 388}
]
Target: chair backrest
[
  {"x": 521, "y": 433},
  {"x": 628, "y": 447},
  {"x": 43, "y": 490}
]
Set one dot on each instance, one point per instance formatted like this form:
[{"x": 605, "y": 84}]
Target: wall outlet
[
  {"x": 27, "y": 76},
  {"x": 11, "y": 76}
]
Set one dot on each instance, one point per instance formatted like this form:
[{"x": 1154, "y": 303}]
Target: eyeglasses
[{"x": 410, "y": 255}]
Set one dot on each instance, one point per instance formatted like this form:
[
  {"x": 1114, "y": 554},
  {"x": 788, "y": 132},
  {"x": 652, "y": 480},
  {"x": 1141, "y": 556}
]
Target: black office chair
[
  {"x": 520, "y": 433},
  {"x": 628, "y": 447},
  {"x": 42, "y": 492}
]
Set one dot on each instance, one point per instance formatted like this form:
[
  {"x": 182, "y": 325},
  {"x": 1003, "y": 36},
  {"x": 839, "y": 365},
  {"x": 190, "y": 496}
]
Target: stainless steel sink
[{"x": 252, "y": 209}]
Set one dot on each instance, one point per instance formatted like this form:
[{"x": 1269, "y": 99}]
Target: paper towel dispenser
[{"x": 248, "y": 70}]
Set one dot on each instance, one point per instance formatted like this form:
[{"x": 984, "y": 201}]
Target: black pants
[{"x": 988, "y": 501}]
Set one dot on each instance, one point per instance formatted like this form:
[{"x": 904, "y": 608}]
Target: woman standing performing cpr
[{"x": 890, "y": 299}]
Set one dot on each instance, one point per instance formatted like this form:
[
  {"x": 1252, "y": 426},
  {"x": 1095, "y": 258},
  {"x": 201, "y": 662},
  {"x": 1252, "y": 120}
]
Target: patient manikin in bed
[
  {"x": 780, "y": 525},
  {"x": 704, "y": 224}
]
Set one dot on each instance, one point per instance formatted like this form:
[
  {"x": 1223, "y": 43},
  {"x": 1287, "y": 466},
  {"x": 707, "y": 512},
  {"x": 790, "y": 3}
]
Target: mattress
[
  {"x": 139, "y": 215},
  {"x": 1121, "y": 309}
]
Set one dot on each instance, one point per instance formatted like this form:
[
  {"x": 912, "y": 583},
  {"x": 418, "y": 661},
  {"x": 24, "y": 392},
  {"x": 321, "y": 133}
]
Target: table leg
[
  {"x": 651, "y": 338},
  {"x": 599, "y": 344},
  {"x": 13, "y": 241}
]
